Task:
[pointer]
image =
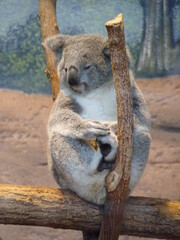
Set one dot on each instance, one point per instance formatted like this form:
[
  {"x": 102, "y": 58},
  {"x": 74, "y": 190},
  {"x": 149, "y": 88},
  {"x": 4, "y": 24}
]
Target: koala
[{"x": 82, "y": 125}]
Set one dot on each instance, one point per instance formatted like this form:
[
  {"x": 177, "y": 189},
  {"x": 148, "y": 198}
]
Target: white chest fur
[{"x": 99, "y": 105}]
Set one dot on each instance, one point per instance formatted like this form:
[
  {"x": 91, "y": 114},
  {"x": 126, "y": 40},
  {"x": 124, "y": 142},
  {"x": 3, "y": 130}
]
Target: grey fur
[{"x": 84, "y": 68}]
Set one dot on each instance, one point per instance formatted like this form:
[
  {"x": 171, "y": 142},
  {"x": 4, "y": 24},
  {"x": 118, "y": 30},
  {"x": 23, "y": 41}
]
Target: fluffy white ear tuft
[{"x": 55, "y": 43}]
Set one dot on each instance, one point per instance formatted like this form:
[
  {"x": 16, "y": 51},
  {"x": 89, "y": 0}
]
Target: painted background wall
[{"x": 152, "y": 25}]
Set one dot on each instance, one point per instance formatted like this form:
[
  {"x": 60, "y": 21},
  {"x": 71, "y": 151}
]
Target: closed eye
[{"x": 87, "y": 67}]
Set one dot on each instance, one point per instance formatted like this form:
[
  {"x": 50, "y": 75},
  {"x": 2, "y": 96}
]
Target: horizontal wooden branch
[{"x": 50, "y": 207}]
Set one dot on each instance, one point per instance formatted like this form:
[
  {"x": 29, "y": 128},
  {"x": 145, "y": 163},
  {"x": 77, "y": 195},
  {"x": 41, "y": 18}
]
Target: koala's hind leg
[
  {"x": 141, "y": 146},
  {"x": 75, "y": 166}
]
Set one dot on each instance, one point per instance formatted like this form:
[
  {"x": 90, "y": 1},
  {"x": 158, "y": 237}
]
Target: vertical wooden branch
[
  {"x": 49, "y": 27},
  {"x": 117, "y": 182}
]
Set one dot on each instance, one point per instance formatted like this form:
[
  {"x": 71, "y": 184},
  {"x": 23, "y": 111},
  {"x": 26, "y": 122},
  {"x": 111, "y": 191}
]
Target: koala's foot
[
  {"x": 103, "y": 165},
  {"x": 108, "y": 146}
]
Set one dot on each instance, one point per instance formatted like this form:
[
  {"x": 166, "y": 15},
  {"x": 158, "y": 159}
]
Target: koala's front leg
[
  {"x": 69, "y": 123},
  {"x": 80, "y": 129}
]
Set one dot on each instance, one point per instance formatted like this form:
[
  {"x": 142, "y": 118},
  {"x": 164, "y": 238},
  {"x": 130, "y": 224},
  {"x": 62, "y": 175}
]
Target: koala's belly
[{"x": 99, "y": 105}]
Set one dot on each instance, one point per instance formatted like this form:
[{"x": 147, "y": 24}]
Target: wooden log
[
  {"x": 49, "y": 27},
  {"x": 117, "y": 182},
  {"x": 50, "y": 207}
]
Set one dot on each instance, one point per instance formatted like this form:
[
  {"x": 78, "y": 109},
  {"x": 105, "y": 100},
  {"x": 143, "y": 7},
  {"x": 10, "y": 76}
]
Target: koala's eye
[
  {"x": 87, "y": 67},
  {"x": 65, "y": 69}
]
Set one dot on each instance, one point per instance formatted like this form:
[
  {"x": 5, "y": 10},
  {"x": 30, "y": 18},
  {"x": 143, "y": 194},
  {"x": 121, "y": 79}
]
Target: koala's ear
[
  {"x": 106, "y": 50},
  {"x": 55, "y": 43}
]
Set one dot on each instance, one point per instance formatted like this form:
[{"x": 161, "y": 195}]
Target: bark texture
[
  {"x": 50, "y": 207},
  {"x": 117, "y": 182},
  {"x": 156, "y": 52},
  {"x": 49, "y": 27}
]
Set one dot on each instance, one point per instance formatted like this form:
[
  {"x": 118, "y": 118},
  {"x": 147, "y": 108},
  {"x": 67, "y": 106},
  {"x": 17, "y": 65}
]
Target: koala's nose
[{"x": 73, "y": 76}]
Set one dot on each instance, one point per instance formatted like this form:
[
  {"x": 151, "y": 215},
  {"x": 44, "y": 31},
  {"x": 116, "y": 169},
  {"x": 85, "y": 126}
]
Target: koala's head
[{"x": 83, "y": 61}]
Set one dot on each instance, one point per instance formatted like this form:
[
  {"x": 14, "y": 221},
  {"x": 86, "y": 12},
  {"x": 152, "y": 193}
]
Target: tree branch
[
  {"x": 49, "y": 27},
  {"x": 50, "y": 207},
  {"x": 117, "y": 182}
]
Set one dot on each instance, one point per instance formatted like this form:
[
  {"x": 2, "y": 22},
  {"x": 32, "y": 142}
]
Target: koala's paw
[
  {"x": 93, "y": 129},
  {"x": 108, "y": 146}
]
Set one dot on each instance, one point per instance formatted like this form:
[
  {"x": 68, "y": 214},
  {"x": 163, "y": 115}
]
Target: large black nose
[{"x": 73, "y": 76}]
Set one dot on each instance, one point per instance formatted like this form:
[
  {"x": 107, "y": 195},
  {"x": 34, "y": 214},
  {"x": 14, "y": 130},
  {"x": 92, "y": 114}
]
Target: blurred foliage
[
  {"x": 22, "y": 61},
  {"x": 91, "y": 15}
]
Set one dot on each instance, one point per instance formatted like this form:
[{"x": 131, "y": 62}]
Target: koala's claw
[{"x": 105, "y": 165}]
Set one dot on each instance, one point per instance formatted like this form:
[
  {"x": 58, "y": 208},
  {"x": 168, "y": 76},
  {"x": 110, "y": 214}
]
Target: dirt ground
[{"x": 23, "y": 142}]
